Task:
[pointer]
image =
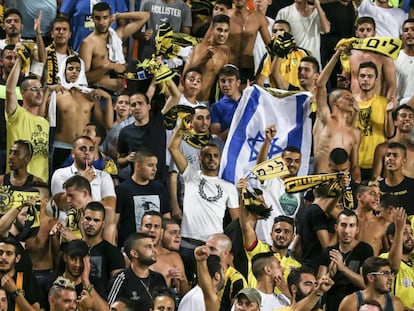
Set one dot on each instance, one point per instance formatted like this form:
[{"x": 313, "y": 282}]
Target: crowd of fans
[{"x": 110, "y": 145}]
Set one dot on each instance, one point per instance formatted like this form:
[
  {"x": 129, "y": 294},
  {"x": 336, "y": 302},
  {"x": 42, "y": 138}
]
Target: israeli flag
[{"x": 257, "y": 109}]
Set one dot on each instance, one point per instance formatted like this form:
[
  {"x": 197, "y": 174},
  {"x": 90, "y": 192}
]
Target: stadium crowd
[{"x": 116, "y": 117}]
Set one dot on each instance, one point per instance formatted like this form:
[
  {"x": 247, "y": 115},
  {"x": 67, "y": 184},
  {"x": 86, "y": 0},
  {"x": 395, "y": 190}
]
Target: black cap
[{"x": 77, "y": 247}]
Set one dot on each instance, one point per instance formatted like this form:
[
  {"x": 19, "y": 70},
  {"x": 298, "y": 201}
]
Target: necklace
[{"x": 147, "y": 286}]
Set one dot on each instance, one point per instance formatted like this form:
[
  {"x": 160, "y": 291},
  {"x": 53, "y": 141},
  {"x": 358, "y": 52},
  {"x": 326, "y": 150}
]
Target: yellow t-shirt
[
  {"x": 22, "y": 124},
  {"x": 403, "y": 283},
  {"x": 234, "y": 281},
  {"x": 288, "y": 68},
  {"x": 287, "y": 263},
  {"x": 370, "y": 121}
]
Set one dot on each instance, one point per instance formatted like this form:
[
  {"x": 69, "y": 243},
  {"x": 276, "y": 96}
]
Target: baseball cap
[
  {"x": 251, "y": 294},
  {"x": 77, "y": 247}
]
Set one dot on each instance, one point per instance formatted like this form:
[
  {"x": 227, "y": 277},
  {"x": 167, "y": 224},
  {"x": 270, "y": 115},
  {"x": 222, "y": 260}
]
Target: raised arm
[
  {"x": 11, "y": 83},
  {"x": 275, "y": 74},
  {"x": 40, "y": 53},
  {"x": 396, "y": 251},
  {"x": 307, "y": 303},
  {"x": 270, "y": 133},
  {"x": 378, "y": 161},
  {"x": 325, "y": 24},
  {"x": 264, "y": 28},
  {"x": 136, "y": 21},
  {"x": 211, "y": 300},
  {"x": 247, "y": 219},
  {"x": 321, "y": 93},
  {"x": 176, "y": 154}
]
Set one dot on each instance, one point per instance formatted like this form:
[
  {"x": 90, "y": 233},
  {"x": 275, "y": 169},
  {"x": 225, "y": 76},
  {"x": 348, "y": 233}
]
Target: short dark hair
[
  {"x": 27, "y": 145},
  {"x": 209, "y": 145},
  {"x": 142, "y": 153},
  {"x": 11, "y": 241},
  {"x": 62, "y": 19},
  {"x": 75, "y": 141},
  {"x": 338, "y": 156},
  {"x": 229, "y": 70},
  {"x": 373, "y": 264},
  {"x": 12, "y": 11},
  {"x": 146, "y": 98},
  {"x": 369, "y": 65},
  {"x": 101, "y": 6},
  {"x": 73, "y": 59},
  {"x": 295, "y": 275},
  {"x": 292, "y": 149},
  {"x": 8, "y": 47},
  {"x": 366, "y": 20},
  {"x": 259, "y": 262},
  {"x": 99, "y": 130},
  {"x": 214, "y": 265},
  {"x": 397, "y": 110},
  {"x": 283, "y": 218},
  {"x": 191, "y": 69},
  {"x": 169, "y": 221},
  {"x": 25, "y": 81},
  {"x": 96, "y": 207},
  {"x": 220, "y": 18},
  {"x": 282, "y": 21},
  {"x": 79, "y": 183},
  {"x": 131, "y": 239},
  {"x": 129, "y": 306},
  {"x": 151, "y": 213},
  {"x": 313, "y": 60},
  {"x": 365, "y": 185},
  {"x": 348, "y": 213},
  {"x": 397, "y": 145},
  {"x": 228, "y": 4},
  {"x": 408, "y": 20}
]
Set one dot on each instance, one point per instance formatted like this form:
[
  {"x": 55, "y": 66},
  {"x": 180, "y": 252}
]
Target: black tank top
[{"x": 388, "y": 303}]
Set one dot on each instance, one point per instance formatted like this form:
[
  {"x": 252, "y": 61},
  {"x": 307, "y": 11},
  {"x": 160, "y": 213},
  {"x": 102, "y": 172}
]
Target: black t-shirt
[
  {"x": 343, "y": 286},
  {"x": 134, "y": 200},
  {"x": 311, "y": 220},
  {"x": 30, "y": 287},
  {"x": 152, "y": 136},
  {"x": 105, "y": 258},
  {"x": 404, "y": 193},
  {"x": 139, "y": 291},
  {"x": 97, "y": 284}
]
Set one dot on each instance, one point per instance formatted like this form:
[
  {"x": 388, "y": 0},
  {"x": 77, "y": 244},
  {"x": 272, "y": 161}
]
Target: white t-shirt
[
  {"x": 404, "y": 67},
  {"x": 388, "y": 21},
  {"x": 102, "y": 186},
  {"x": 205, "y": 201},
  {"x": 282, "y": 203},
  {"x": 259, "y": 48},
  {"x": 305, "y": 29},
  {"x": 193, "y": 300}
]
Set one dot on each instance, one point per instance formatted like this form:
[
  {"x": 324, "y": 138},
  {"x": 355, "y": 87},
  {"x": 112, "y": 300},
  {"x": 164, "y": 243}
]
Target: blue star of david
[{"x": 274, "y": 148}]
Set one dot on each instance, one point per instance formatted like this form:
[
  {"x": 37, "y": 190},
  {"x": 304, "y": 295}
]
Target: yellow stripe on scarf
[
  {"x": 275, "y": 167},
  {"x": 387, "y": 46},
  {"x": 301, "y": 183}
]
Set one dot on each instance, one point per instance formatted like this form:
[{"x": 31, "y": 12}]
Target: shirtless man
[
  {"x": 244, "y": 26},
  {"x": 13, "y": 26},
  {"x": 75, "y": 103},
  {"x": 403, "y": 119},
  {"x": 332, "y": 128},
  {"x": 211, "y": 54},
  {"x": 372, "y": 227},
  {"x": 99, "y": 60},
  {"x": 171, "y": 235},
  {"x": 386, "y": 85},
  {"x": 169, "y": 263}
]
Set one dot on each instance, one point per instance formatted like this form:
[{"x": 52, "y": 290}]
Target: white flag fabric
[{"x": 257, "y": 109}]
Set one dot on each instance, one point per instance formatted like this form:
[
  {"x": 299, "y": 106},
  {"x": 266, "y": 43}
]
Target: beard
[
  {"x": 407, "y": 250},
  {"x": 147, "y": 261}
]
